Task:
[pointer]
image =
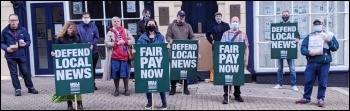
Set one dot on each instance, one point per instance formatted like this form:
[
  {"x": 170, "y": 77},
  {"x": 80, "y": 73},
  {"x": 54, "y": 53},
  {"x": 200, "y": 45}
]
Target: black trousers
[
  {"x": 23, "y": 68},
  {"x": 173, "y": 83},
  {"x": 237, "y": 91},
  {"x": 95, "y": 58}
]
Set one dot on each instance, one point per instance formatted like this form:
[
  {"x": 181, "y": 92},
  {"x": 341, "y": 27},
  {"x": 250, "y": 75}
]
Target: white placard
[
  {"x": 131, "y": 6},
  {"x": 316, "y": 43}
]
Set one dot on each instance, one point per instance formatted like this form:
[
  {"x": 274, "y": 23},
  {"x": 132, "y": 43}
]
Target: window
[
  {"x": 303, "y": 12},
  {"x": 101, "y": 13}
]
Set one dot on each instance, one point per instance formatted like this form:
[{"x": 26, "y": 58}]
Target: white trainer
[
  {"x": 295, "y": 88},
  {"x": 278, "y": 86}
]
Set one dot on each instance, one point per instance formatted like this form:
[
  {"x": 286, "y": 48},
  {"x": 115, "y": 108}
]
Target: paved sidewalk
[{"x": 204, "y": 96}]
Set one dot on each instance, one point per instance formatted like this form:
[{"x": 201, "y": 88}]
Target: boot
[
  {"x": 80, "y": 105},
  {"x": 172, "y": 91},
  {"x": 70, "y": 105}
]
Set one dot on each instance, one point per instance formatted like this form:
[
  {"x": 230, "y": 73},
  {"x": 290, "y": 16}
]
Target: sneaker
[
  {"x": 18, "y": 93},
  {"x": 33, "y": 91},
  {"x": 295, "y": 88},
  {"x": 320, "y": 103},
  {"x": 164, "y": 107},
  {"x": 172, "y": 91},
  {"x": 302, "y": 101},
  {"x": 239, "y": 98},
  {"x": 187, "y": 92},
  {"x": 278, "y": 86},
  {"x": 148, "y": 106}
]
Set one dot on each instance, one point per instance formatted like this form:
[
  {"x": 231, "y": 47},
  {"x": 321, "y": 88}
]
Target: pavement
[{"x": 204, "y": 96}]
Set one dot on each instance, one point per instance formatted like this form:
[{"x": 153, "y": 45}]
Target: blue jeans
[
  {"x": 162, "y": 96},
  {"x": 312, "y": 70},
  {"x": 23, "y": 68},
  {"x": 293, "y": 75}
]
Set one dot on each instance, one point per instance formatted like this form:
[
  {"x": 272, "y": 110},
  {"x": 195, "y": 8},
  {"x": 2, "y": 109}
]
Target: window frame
[{"x": 256, "y": 14}]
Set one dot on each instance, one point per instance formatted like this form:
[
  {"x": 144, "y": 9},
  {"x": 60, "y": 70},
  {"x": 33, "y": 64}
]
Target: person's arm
[
  {"x": 333, "y": 43},
  {"x": 130, "y": 38},
  {"x": 3, "y": 42},
  {"x": 246, "y": 51},
  {"x": 96, "y": 35},
  {"x": 27, "y": 38},
  {"x": 139, "y": 29},
  {"x": 208, "y": 35},
  {"x": 169, "y": 34},
  {"x": 191, "y": 34},
  {"x": 108, "y": 39},
  {"x": 304, "y": 46}
]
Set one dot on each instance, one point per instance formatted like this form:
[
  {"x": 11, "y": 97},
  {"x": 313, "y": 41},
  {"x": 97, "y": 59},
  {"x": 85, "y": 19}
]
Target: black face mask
[
  {"x": 285, "y": 18},
  {"x": 151, "y": 28}
]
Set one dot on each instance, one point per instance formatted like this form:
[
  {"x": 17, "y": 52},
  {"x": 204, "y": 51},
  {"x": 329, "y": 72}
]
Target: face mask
[
  {"x": 318, "y": 28},
  {"x": 218, "y": 20},
  {"x": 234, "y": 25},
  {"x": 151, "y": 28},
  {"x": 180, "y": 20},
  {"x": 146, "y": 18},
  {"x": 285, "y": 18},
  {"x": 69, "y": 32},
  {"x": 86, "y": 21}
]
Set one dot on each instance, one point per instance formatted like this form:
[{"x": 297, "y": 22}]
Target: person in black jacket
[
  {"x": 141, "y": 24},
  {"x": 216, "y": 29},
  {"x": 68, "y": 35}
]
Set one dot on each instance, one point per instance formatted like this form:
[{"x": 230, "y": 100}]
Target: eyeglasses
[
  {"x": 13, "y": 20},
  {"x": 285, "y": 15}
]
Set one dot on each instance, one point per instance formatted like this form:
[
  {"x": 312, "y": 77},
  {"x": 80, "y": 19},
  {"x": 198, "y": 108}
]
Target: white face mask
[
  {"x": 318, "y": 28},
  {"x": 86, "y": 21},
  {"x": 234, "y": 25}
]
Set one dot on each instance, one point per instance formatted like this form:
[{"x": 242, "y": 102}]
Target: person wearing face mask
[
  {"x": 68, "y": 35},
  {"x": 141, "y": 24},
  {"x": 152, "y": 36},
  {"x": 179, "y": 30},
  {"x": 15, "y": 35},
  {"x": 88, "y": 32},
  {"x": 235, "y": 35},
  {"x": 291, "y": 64},
  {"x": 318, "y": 64}
]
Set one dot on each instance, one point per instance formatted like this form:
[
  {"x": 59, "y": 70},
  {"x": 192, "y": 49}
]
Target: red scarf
[{"x": 118, "y": 52}]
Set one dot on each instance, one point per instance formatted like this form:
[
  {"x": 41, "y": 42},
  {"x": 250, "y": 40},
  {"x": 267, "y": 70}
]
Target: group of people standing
[{"x": 118, "y": 41}]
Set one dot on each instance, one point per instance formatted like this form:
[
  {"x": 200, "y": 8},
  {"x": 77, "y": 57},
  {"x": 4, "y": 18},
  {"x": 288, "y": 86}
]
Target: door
[
  {"x": 47, "y": 19},
  {"x": 200, "y": 14}
]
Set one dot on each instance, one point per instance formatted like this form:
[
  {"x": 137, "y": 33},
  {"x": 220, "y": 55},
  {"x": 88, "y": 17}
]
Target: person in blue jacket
[
  {"x": 88, "y": 33},
  {"x": 152, "y": 36},
  {"x": 18, "y": 38},
  {"x": 318, "y": 64}
]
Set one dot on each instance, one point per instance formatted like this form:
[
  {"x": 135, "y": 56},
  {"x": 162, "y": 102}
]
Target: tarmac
[{"x": 204, "y": 96}]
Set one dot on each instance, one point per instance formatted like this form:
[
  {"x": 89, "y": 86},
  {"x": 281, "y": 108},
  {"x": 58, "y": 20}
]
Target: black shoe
[
  {"x": 172, "y": 91},
  {"x": 96, "y": 88},
  {"x": 148, "y": 106},
  {"x": 127, "y": 93},
  {"x": 70, "y": 105},
  {"x": 164, "y": 107},
  {"x": 18, "y": 93},
  {"x": 80, "y": 105},
  {"x": 116, "y": 93},
  {"x": 33, "y": 91},
  {"x": 225, "y": 101},
  {"x": 186, "y": 91},
  {"x": 239, "y": 98}
]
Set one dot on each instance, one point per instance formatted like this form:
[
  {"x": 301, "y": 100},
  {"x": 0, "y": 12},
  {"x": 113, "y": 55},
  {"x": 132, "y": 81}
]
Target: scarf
[{"x": 119, "y": 51}]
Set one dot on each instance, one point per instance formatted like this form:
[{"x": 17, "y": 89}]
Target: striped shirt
[{"x": 228, "y": 35}]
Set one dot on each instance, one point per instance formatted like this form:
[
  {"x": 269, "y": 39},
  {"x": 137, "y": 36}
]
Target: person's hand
[
  {"x": 53, "y": 53},
  {"x": 9, "y": 50},
  {"x": 325, "y": 37},
  {"x": 229, "y": 42},
  {"x": 198, "y": 41},
  {"x": 121, "y": 42},
  {"x": 297, "y": 40},
  {"x": 171, "y": 41},
  {"x": 92, "y": 46},
  {"x": 312, "y": 53},
  {"x": 22, "y": 44},
  {"x": 168, "y": 46}
]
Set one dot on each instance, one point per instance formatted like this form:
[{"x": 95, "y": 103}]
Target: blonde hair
[{"x": 65, "y": 28}]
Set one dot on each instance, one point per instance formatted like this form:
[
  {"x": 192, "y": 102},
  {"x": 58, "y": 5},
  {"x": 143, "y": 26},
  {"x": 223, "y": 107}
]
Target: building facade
[{"x": 45, "y": 18}]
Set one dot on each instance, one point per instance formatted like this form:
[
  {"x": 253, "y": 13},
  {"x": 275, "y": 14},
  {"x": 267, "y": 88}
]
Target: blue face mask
[
  {"x": 234, "y": 25},
  {"x": 318, "y": 28},
  {"x": 69, "y": 32}
]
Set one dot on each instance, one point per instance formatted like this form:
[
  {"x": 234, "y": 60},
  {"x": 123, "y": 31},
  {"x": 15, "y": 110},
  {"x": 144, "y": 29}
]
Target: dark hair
[
  {"x": 145, "y": 10},
  {"x": 156, "y": 30},
  {"x": 84, "y": 13},
  {"x": 13, "y": 15}
]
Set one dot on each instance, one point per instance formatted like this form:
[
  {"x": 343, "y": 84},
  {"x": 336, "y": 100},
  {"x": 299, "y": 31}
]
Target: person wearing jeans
[
  {"x": 291, "y": 63},
  {"x": 318, "y": 64}
]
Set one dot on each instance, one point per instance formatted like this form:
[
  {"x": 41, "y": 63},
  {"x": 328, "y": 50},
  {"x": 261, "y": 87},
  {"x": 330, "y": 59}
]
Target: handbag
[{"x": 130, "y": 54}]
